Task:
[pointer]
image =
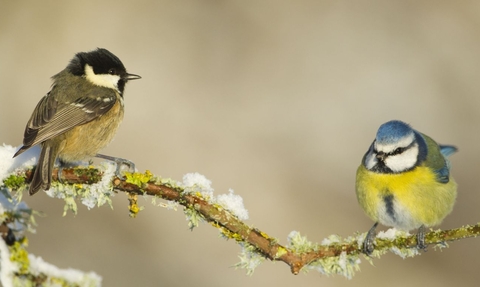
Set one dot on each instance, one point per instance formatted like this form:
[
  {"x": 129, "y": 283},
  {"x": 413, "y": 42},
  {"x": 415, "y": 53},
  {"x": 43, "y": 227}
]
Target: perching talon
[
  {"x": 119, "y": 162},
  {"x": 59, "y": 174},
  {"x": 368, "y": 246},
  {"x": 421, "y": 245}
]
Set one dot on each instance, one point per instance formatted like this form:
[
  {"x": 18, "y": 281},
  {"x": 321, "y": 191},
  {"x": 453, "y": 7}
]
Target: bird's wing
[
  {"x": 443, "y": 174},
  {"x": 437, "y": 159},
  {"x": 52, "y": 117}
]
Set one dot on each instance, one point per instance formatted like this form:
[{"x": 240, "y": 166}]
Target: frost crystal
[
  {"x": 99, "y": 193},
  {"x": 233, "y": 203},
  {"x": 195, "y": 182},
  {"x": 7, "y": 267},
  {"x": 8, "y": 164},
  {"x": 391, "y": 234},
  {"x": 72, "y": 276},
  {"x": 299, "y": 243},
  {"x": 91, "y": 195}
]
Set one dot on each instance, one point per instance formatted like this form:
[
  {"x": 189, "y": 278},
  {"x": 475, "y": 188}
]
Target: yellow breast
[{"x": 405, "y": 200}]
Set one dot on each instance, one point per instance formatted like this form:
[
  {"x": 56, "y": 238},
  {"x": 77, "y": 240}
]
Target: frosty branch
[{"x": 333, "y": 255}]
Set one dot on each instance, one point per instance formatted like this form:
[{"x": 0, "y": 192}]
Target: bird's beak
[
  {"x": 381, "y": 156},
  {"x": 130, "y": 77}
]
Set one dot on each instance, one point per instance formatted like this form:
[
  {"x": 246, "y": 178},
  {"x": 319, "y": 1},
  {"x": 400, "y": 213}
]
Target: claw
[
  {"x": 368, "y": 246},
  {"x": 120, "y": 162},
  {"x": 59, "y": 174},
  {"x": 421, "y": 245}
]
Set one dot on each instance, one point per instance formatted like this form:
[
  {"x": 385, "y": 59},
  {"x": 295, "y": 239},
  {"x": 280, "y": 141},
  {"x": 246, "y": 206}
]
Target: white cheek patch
[
  {"x": 388, "y": 148},
  {"x": 404, "y": 161},
  {"x": 370, "y": 160},
  {"x": 103, "y": 80}
]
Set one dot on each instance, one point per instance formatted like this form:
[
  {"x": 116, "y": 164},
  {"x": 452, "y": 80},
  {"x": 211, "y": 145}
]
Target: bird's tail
[
  {"x": 448, "y": 150},
  {"x": 43, "y": 172}
]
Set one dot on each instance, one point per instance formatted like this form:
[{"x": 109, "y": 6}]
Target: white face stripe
[
  {"x": 395, "y": 162},
  {"x": 388, "y": 148},
  {"x": 103, "y": 80},
  {"x": 403, "y": 161}
]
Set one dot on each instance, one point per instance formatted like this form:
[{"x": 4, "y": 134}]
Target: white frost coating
[
  {"x": 38, "y": 265},
  {"x": 342, "y": 261},
  {"x": 195, "y": 182},
  {"x": 406, "y": 252},
  {"x": 330, "y": 240},
  {"x": 391, "y": 234},
  {"x": 291, "y": 236},
  {"x": 326, "y": 242},
  {"x": 169, "y": 205},
  {"x": 5, "y": 204},
  {"x": 96, "y": 194},
  {"x": 249, "y": 259},
  {"x": 233, "y": 203},
  {"x": 8, "y": 164},
  {"x": 13, "y": 206},
  {"x": 7, "y": 268}
]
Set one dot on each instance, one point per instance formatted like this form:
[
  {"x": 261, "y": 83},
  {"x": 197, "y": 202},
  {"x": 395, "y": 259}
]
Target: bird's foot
[
  {"x": 368, "y": 243},
  {"x": 120, "y": 162}
]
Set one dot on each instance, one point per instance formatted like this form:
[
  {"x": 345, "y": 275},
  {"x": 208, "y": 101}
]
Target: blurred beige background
[{"x": 277, "y": 100}]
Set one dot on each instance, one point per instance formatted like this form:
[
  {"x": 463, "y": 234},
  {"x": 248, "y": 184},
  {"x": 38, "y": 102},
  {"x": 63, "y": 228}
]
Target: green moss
[
  {"x": 14, "y": 182},
  {"x": 91, "y": 173}
]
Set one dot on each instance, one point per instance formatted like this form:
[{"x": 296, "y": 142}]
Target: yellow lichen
[
  {"x": 133, "y": 207},
  {"x": 139, "y": 179},
  {"x": 280, "y": 252},
  {"x": 19, "y": 255},
  {"x": 264, "y": 235}
]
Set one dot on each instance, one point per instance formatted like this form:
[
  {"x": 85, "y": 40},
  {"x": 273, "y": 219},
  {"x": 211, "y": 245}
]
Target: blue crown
[{"x": 393, "y": 131}]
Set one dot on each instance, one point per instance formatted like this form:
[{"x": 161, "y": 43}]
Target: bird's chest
[
  {"x": 93, "y": 136},
  {"x": 398, "y": 198}
]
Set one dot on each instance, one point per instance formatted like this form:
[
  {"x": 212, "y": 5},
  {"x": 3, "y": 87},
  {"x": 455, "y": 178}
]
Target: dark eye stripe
[{"x": 400, "y": 150}]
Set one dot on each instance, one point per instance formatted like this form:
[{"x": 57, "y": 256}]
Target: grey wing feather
[
  {"x": 51, "y": 117},
  {"x": 443, "y": 174}
]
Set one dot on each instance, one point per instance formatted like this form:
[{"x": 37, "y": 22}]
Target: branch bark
[{"x": 231, "y": 226}]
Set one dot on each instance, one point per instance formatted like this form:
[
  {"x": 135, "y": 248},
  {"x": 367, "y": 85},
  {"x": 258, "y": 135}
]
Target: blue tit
[{"x": 404, "y": 181}]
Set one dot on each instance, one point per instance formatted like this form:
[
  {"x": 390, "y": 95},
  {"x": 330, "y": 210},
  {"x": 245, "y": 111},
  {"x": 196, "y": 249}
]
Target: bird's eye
[
  {"x": 112, "y": 71},
  {"x": 399, "y": 150}
]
